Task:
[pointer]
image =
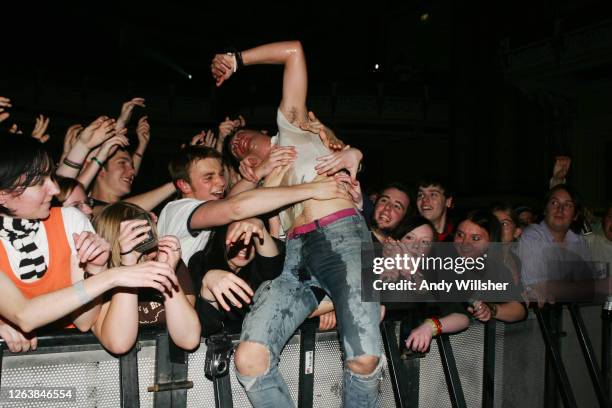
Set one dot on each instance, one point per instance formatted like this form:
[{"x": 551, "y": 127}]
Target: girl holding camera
[{"x": 132, "y": 232}]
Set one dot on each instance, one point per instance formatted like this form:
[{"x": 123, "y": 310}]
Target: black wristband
[{"x": 239, "y": 61}]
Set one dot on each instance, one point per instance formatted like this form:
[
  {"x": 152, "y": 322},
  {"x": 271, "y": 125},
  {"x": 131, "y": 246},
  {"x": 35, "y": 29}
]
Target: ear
[
  {"x": 3, "y": 197},
  {"x": 183, "y": 186},
  {"x": 449, "y": 202},
  {"x": 517, "y": 232}
]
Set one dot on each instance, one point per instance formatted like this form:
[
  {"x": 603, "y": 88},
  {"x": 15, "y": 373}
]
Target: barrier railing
[{"x": 315, "y": 356}]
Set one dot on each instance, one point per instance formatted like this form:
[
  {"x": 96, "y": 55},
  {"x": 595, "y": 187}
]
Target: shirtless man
[{"x": 324, "y": 242}]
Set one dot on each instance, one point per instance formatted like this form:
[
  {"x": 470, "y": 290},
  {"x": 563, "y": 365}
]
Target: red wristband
[{"x": 438, "y": 325}]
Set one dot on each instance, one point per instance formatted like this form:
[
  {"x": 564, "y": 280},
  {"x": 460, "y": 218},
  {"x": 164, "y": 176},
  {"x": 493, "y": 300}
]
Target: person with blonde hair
[{"x": 132, "y": 232}]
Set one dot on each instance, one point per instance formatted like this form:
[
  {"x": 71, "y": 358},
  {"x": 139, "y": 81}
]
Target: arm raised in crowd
[
  {"x": 143, "y": 132},
  {"x": 4, "y": 103},
  {"x": 40, "y": 129},
  {"x": 152, "y": 198},
  {"x": 93, "y": 135},
  {"x": 98, "y": 156},
  {"x": 295, "y": 77}
]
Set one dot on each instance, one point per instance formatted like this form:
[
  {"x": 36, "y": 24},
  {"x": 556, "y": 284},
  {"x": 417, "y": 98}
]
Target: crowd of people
[{"x": 257, "y": 234}]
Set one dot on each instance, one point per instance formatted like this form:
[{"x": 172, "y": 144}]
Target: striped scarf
[{"x": 20, "y": 233}]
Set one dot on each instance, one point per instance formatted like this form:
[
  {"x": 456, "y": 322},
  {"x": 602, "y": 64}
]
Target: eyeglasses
[{"x": 89, "y": 201}]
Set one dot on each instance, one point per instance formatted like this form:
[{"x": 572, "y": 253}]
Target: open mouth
[{"x": 217, "y": 194}]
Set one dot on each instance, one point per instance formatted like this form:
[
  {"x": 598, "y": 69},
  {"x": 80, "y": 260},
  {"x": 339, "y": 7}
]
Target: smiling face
[
  {"x": 118, "y": 174},
  {"x": 390, "y": 209},
  {"x": 33, "y": 202},
  {"x": 432, "y": 203},
  {"x": 206, "y": 181},
  {"x": 471, "y": 240},
  {"x": 418, "y": 241},
  {"x": 240, "y": 255},
  {"x": 251, "y": 145}
]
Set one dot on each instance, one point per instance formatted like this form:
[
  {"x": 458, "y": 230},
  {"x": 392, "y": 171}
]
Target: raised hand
[
  {"x": 225, "y": 285},
  {"x": 143, "y": 131},
  {"x": 71, "y": 136},
  {"x": 561, "y": 167},
  {"x": 126, "y": 111},
  {"x": 40, "y": 129},
  {"x": 348, "y": 158},
  {"x": 169, "y": 250},
  {"x": 14, "y": 129},
  {"x": 222, "y": 67},
  {"x": 91, "y": 248},
  {"x": 110, "y": 146},
  {"x": 4, "y": 103},
  {"x": 327, "y": 136},
  {"x": 244, "y": 230},
  {"x": 98, "y": 132},
  {"x": 132, "y": 233}
]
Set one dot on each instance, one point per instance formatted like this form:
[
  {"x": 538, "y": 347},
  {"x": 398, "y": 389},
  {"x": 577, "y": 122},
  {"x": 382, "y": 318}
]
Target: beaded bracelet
[
  {"x": 435, "y": 325},
  {"x": 95, "y": 159}
]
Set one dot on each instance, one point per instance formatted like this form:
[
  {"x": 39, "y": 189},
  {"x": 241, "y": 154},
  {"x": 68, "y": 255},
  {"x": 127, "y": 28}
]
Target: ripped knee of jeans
[
  {"x": 252, "y": 359},
  {"x": 366, "y": 365}
]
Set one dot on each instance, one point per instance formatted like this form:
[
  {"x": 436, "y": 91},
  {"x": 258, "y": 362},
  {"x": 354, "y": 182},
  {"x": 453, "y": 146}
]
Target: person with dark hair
[
  {"x": 423, "y": 321},
  {"x": 510, "y": 232},
  {"x": 526, "y": 216},
  {"x": 324, "y": 240},
  {"x": 235, "y": 262},
  {"x": 433, "y": 201},
  {"x": 391, "y": 207},
  {"x": 114, "y": 182},
  {"x": 42, "y": 250},
  {"x": 473, "y": 239},
  {"x": 562, "y": 211}
]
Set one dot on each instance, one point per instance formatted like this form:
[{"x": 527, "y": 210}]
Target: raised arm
[
  {"x": 295, "y": 77},
  {"x": 153, "y": 198}
]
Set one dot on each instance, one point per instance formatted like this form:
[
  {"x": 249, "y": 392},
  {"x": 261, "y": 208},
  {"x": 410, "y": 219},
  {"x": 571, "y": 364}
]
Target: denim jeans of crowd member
[{"x": 331, "y": 258}]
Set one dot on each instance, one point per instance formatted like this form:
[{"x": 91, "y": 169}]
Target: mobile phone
[{"x": 151, "y": 241}]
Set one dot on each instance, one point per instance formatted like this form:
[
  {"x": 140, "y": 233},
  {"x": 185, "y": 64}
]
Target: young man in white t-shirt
[{"x": 197, "y": 173}]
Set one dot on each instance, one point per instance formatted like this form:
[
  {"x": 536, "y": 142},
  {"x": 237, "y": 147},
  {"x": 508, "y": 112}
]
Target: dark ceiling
[{"x": 156, "y": 44}]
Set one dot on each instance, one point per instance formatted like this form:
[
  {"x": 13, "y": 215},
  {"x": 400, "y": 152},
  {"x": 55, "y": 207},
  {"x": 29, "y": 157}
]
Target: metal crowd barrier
[{"x": 528, "y": 363}]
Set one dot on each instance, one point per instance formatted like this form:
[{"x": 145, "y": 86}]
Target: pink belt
[{"x": 321, "y": 222}]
